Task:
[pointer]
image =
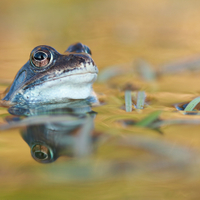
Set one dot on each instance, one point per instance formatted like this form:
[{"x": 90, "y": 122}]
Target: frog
[{"x": 51, "y": 77}]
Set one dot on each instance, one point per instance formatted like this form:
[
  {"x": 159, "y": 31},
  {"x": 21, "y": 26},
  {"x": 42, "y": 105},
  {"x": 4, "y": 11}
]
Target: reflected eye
[
  {"x": 41, "y": 153},
  {"x": 41, "y": 58}
]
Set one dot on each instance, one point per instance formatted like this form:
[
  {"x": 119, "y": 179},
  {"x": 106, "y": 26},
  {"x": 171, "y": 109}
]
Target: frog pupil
[{"x": 40, "y": 56}]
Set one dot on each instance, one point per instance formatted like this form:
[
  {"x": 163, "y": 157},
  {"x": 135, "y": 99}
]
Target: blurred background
[{"x": 118, "y": 32}]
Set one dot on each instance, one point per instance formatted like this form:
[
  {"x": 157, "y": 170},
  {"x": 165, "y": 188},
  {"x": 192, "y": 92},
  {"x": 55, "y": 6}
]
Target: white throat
[{"x": 77, "y": 86}]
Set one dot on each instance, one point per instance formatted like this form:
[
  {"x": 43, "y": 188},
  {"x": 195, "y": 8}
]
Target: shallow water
[{"x": 139, "y": 40}]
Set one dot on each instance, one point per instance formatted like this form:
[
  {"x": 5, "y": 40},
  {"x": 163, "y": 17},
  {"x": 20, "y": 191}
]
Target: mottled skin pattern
[{"x": 60, "y": 64}]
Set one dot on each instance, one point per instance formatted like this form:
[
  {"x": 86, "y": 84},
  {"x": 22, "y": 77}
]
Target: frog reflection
[
  {"x": 52, "y": 140},
  {"x": 51, "y": 77},
  {"x": 70, "y": 135}
]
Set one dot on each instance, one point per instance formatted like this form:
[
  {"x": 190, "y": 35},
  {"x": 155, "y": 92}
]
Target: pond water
[{"x": 138, "y": 45}]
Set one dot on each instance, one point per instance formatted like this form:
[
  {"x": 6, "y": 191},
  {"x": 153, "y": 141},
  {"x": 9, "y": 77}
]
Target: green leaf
[
  {"x": 149, "y": 119},
  {"x": 192, "y": 104}
]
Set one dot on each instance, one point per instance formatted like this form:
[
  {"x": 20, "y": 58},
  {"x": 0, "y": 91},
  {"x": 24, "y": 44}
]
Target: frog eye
[{"x": 41, "y": 57}]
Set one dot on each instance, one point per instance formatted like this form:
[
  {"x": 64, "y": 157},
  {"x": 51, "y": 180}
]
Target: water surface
[{"x": 127, "y": 161}]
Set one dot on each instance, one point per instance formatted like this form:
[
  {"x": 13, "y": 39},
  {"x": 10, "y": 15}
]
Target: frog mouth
[
  {"x": 81, "y": 69},
  {"x": 75, "y": 78},
  {"x": 75, "y": 75}
]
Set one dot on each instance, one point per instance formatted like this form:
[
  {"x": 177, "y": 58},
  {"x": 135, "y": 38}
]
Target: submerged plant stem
[
  {"x": 140, "y": 100},
  {"x": 128, "y": 101}
]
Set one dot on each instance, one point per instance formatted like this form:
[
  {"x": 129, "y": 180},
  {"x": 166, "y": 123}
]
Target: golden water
[{"x": 118, "y": 32}]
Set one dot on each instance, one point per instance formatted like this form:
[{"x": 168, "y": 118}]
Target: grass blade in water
[
  {"x": 140, "y": 100},
  {"x": 128, "y": 101},
  {"x": 149, "y": 119},
  {"x": 192, "y": 104},
  {"x": 145, "y": 70}
]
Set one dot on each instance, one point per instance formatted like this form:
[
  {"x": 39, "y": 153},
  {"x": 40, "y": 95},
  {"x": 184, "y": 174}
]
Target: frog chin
[{"x": 78, "y": 86}]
